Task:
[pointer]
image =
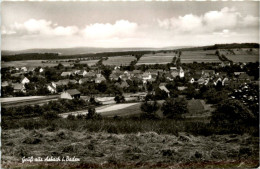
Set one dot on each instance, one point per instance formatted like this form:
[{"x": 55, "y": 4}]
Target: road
[{"x": 101, "y": 110}]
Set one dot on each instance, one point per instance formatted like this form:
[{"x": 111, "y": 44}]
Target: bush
[
  {"x": 174, "y": 108},
  {"x": 119, "y": 99},
  {"x": 150, "y": 109},
  {"x": 71, "y": 117},
  {"x": 232, "y": 112},
  {"x": 50, "y": 115}
]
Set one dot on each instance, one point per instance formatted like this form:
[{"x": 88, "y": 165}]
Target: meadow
[
  {"x": 119, "y": 60},
  {"x": 130, "y": 143},
  {"x": 158, "y": 58},
  {"x": 199, "y": 56}
]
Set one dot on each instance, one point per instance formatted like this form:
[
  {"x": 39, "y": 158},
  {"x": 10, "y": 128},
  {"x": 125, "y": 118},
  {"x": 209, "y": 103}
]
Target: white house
[
  {"x": 24, "y": 69},
  {"x": 64, "y": 74},
  {"x": 70, "y": 94},
  {"x": 25, "y": 80},
  {"x": 181, "y": 73},
  {"x": 41, "y": 70},
  {"x": 52, "y": 87},
  {"x": 83, "y": 73}
]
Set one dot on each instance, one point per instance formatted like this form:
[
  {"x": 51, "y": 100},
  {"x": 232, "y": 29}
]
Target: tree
[
  {"x": 106, "y": 72},
  {"x": 174, "y": 108},
  {"x": 232, "y": 112},
  {"x": 91, "y": 113},
  {"x": 150, "y": 108},
  {"x": 160, "y": 94},
  {"x": 119, "y": 99}
]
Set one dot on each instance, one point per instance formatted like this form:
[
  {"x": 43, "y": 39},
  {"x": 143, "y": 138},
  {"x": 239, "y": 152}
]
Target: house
[
  {"x": 31, "y": 69},
  {"x": 163, "y": 87},
  {"x": 168, "y": 76},
  {"x": 238, "y": 73},
  {"x": 62, "y": 82},
  {"x": 195, "y": 78},
  {"x": 82, "y": 73},
  {"x": 84, "y": 80},
  {"x": 175, "y": 73},
  {"x": 76, "y": 72},
  {"x": 70, "y": 94},
  {"x": 208, "y": 73},
  {"x": 146, "y": 76},
  {"x": 225, "y": 81},
  {"x": 4, "y": 84},
  {"x": 24, "y": 80},
  {"x": 117, "y": 71},
  {"x": 244, "y": 77},
  {"x": 122, "y": 85},
  {"x": 90, "y": 75},
  {"x": 100, "y": 79},
  {"x": 136, "y": 72},
  {"x": 16, "y": 74},
  {"x": 18, "y": 87},
  {"x": 113, "y": 77},
  {"x": 217, "y": 80},
  {"x": 181, "y": 88},
  {"x": 225, "y": 63},
  {"x": 41, "y": 70},
  {"x": 52, "y": 87},
  {"x": 173, "y": 68},
  {"x": 181, "y": 73},
  {"x": 124, "y": 77},
  {"x": 73, "y": 81},
  {"x": 23, "y": 69},
  {"x": 64, "y": 74}
]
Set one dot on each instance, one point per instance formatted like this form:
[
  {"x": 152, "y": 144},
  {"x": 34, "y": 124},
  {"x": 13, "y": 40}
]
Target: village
[{"x": 134, "y": 83}]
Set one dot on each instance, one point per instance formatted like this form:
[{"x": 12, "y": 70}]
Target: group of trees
[
  {"x": 59, "y": 106},
  {"x": 172, "y": 108}
]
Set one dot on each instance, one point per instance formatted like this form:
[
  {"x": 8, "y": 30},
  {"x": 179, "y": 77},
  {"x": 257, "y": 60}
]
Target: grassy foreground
[{"x": 129, "y": 143}]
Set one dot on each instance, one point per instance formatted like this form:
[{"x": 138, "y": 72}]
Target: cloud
[
  {"x": 121, "y": 28},
  {"x": 226, "y": 18},
  {"x": 39, "y": 27}
]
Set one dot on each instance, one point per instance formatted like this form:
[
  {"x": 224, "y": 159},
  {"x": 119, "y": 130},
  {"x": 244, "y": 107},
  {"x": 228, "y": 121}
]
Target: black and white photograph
[{"x": 129, "y": 84}]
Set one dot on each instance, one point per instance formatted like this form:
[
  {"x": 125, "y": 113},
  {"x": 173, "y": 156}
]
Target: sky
[{"x": 27, "y": 25}]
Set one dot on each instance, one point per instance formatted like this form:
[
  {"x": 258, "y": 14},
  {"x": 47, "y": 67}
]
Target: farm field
[
  {"x": 28, "y": 63},
  {"x": 49, "y": 63},
  {"x": 131, "y": 150},
  {"x": 119, "y": 60},
  {"x": 243, "y": 58},
  {"x": 89, "y": 62},
  {"x": 158, "y": 58},
  {"x": 199, "y": 57}
]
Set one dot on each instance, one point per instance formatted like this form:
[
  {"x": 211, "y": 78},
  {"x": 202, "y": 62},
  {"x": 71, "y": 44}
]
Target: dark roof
[
  {"x": 18, "y": 86},
  {"x": 244, "y": 76},
  {"x": 73, "y": 91}
]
